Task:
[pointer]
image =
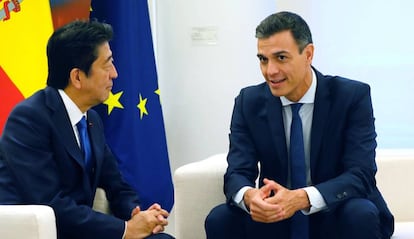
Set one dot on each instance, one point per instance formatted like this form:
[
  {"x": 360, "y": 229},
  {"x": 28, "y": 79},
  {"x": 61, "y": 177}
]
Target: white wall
[
  {"x": 198, "y": 81},
  {"x": 370, "y": 41}
]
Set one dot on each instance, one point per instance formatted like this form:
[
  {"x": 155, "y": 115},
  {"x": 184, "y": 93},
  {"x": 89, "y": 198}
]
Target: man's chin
[{"x": 276, "y": 92}]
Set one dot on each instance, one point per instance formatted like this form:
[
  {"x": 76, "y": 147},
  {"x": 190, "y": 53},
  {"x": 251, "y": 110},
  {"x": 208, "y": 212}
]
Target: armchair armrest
[
  {"x": 198, "y": 188},
  {"x": 27, "y": 221}
]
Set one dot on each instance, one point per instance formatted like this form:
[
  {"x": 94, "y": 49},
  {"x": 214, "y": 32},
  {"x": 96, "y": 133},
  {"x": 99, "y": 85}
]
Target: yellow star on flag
[
  {"x": 113, "y": 101},
  {"x": 158, "y": 92},
  {"x": 142, "y": 106}
]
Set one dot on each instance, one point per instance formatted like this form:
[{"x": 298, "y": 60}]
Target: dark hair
[
  {"x": 286, "y": 21},
  {"x": 74, "y": 46}
]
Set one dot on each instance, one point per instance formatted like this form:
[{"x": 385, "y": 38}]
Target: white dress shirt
[{"x": 75, "y": 114}]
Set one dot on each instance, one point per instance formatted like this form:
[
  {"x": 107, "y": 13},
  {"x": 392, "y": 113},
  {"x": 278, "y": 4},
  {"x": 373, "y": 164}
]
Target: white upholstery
[
  {"x": 395, "y": 179},
  {"x": 36, "y": 221},
  {"x": 27, "y": 221},
  {"x": 199, "y": 187},
  {"x": 100, "y": 203}
]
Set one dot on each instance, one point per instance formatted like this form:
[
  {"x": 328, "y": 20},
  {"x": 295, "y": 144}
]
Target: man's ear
[
  {"x": 74, "y": 78},
  {"x": 309, "y": 52}
]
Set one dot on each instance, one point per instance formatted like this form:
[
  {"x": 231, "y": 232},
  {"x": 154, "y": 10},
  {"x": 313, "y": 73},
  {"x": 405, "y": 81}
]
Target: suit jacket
[
  {"x": 43, "y": 164},
  {"x": 342, "y": 152}
]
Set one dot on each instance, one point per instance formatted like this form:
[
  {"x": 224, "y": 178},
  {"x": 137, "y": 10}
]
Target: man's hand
[
  {"x": 261, "y": 210},
  {"x": 144, "y": 223},
  {"x": 162, "y": 221},
  {"x": 273, "y": 203}
]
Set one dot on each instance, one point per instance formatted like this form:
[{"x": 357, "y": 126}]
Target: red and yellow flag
[{"x": 25, "y": 26}]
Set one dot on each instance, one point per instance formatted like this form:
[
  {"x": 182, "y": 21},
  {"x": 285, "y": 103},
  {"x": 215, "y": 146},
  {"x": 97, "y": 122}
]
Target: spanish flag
[{"x": 25, "y": 26}]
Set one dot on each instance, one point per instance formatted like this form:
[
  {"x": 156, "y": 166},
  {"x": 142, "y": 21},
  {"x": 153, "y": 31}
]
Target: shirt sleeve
[
  {"x": 238, "y": 198},
  {"x": 126, "y": 224},
  {"x": 315, "y": 199}
]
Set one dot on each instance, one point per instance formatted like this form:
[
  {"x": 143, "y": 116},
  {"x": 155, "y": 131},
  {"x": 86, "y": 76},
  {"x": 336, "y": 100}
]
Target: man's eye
[
  {"x": 281, "y": 57},
  {"x": 262, "y": 59}
]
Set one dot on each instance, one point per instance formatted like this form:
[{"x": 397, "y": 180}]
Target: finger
[
  {"x": 272, "y": 186},
  {"x": 271, "y": 183},
  {"x": 163, "y": 212},
  {"x": 162, "y": 220},
  {"x": 154, "y": 206},
  {"x": 265, "y": 212},
  {"x": 135, "y": 211},
  {"x": 266, "y": 180},
  {"x": 267, "y": 218},
  {"x": 158, "y": 229},
  {"x": 265, "y": 191},
  {"x": 263, "y": 208},
  {"x": 265, "y": 215}
]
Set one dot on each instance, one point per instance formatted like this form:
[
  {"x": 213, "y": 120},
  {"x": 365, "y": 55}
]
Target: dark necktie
[
  {"x": 299, "y": 222},
  {"x": 85, "y": 143}
]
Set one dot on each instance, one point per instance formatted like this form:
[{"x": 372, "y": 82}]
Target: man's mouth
[{"x": 277, "y": 81}]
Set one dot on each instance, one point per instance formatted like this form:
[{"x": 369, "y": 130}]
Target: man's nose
[
  {"x": 273, "y": 68},
  {"x": 114, "y": 73}
]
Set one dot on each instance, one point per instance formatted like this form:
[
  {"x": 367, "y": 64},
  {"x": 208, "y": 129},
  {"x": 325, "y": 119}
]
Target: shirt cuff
[
  {"x": 238, "y": 198},
  {"x": 126, "y": 224},
  {"x": 315, "y": 199}
]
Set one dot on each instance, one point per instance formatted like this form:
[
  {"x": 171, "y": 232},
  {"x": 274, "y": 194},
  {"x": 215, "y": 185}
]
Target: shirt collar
[
  {"x": 309, "y": 96},
  {"x": 75, "y": 114}
]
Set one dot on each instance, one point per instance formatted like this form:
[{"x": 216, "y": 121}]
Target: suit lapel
[
  {"x": 320, "y": 116},
  {"x": 66, "y": 135},
  {"x": 273, "y": 110},
  {"x": 96, "y": 142},
  {"x": 61, "y": 119}
]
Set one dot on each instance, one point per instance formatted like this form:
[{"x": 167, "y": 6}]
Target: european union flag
[{"x": 132, "y": 114}]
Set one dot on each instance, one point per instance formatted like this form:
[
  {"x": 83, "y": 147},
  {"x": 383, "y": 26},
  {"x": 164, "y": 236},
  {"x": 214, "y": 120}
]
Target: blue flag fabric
[{"x": 132, "y": 114}]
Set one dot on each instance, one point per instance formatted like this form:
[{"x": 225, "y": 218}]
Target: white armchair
[
  {"x": 27, "y": 221},
  {"x": 199, "y": 187},
  {"x": 36, "y": 221}
]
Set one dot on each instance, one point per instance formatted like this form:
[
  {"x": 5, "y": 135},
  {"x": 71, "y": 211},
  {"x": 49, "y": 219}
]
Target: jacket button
[{"x": 341, "y": 195}]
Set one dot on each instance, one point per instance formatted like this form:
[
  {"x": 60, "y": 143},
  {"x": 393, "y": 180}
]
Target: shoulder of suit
[
  {"x": 339, "y": 85},
  {"x": 338, "y": 80},
  {"x": 253, "y": 89},
  {"x": 35, "y": 101}
]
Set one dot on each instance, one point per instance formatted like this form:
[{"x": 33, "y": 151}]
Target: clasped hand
[
  {"x": 273, "y": 202},
  {"x": 144, "y": 223}
]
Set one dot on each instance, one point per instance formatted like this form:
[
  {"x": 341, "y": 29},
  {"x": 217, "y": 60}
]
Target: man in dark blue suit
[
  {"x": 339, "y": 197},
  {"x": 42, "y": 160}
]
